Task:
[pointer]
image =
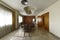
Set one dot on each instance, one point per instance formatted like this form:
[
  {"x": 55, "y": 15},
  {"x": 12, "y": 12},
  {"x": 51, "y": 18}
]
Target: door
[
  {"x": 40, "y": 21},
  {"x": 46, "y": 21}
]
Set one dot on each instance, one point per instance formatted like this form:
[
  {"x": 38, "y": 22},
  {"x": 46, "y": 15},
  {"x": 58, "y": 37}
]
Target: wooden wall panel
[
  {"x": 13, "y": 21},
  {"x": 28, "y": 19}
]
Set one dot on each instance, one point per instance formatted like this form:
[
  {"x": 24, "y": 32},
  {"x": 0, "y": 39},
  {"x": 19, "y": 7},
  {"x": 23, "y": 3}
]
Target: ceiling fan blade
[{"x": 28, "y": 10}]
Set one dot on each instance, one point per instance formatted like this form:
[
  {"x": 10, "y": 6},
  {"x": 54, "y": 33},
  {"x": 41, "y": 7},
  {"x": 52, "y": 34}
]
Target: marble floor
[{"x": 40, "y": 34}]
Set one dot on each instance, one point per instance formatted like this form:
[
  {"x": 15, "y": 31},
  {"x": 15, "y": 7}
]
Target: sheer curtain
[
  {"x": 5, "y": 17},
  {"x": 8, "y": 16},
  {"x": 2, "y": 18}
]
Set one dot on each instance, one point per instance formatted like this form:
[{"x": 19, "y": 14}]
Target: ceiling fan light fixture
[{"x": 24, "y": 2}]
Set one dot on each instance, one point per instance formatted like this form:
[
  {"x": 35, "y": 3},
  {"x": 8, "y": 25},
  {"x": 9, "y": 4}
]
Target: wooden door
[
  {"x": 46, "y": 21},
  {"x": 40, "y": 23}
]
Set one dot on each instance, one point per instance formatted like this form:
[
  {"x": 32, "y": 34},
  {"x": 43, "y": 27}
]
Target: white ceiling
[{"x": 36, "y": 5}]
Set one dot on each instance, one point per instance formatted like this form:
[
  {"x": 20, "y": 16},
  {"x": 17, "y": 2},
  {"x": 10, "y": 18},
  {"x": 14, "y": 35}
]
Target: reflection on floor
[{"x": 37, "y": 35}]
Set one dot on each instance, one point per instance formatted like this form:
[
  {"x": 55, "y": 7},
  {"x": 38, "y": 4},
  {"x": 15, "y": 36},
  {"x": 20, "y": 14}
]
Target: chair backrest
[{"x": 27, "y": 28}]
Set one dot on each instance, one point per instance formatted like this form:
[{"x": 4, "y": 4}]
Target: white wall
[{"x": 54, "y": 18}]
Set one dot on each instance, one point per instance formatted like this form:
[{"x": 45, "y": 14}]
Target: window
[{"x": 20, "y": 19}]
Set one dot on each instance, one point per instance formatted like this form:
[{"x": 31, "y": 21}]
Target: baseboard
[{"x": 54, "y": 35}]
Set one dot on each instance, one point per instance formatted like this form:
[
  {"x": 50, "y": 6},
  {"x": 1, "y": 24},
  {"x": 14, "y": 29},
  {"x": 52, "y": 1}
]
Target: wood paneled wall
[
  {"x": 15, "y": 20},
  {"x": 45, "y": 21},
  {"x": 28, "y": 19}
]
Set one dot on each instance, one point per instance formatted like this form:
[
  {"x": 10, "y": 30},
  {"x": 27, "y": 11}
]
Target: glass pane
[{"x": 20, "y": 19}]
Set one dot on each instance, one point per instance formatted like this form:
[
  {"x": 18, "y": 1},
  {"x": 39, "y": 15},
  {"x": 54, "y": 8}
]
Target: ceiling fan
[
  {"x": 27, "y": 9},
  {"x": 24, "y": 2}
]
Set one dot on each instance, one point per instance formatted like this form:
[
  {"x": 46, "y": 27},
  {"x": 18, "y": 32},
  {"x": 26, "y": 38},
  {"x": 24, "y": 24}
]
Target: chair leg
[
  {"x": 29, "y": 34},
  {"x": 24, "y": 34}
]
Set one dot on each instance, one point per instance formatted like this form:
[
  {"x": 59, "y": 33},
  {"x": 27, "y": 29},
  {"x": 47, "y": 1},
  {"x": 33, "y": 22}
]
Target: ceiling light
[{"x": 24, "y": 2}]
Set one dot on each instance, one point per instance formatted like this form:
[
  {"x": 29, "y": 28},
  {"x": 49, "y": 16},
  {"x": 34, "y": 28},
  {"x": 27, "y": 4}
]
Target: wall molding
[{"x": 7, "y": 6}]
